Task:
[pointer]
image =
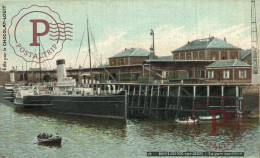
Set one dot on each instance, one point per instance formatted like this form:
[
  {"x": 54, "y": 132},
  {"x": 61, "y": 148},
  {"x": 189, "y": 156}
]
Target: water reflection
[
  {"x": 50, "y": 145},
  {"x": 117, "y": 127}
]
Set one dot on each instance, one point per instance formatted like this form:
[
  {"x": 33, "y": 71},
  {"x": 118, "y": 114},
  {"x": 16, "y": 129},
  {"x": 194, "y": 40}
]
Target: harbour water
[{"x": 88, "y": 137}]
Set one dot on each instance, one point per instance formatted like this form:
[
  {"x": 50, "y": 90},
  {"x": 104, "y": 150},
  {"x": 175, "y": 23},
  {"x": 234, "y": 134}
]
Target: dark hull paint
[
  {"x": 56, "y": 140},
  {"x": 93, "y": 106}
]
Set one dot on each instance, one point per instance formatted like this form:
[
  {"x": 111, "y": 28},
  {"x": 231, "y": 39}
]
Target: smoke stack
[
  {"x": 61, "y": 69},
  {"x": 12, "y": 77}
]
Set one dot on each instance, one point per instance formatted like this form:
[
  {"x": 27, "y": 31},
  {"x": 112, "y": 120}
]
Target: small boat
[
  {"x": 48, "y": 139},
  {"x": 186, "y": 120},
  {"x": 208, "y": 117}
]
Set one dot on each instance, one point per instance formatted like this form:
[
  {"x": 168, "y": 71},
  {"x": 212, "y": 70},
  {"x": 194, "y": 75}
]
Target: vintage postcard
[{"x": 129, "y": 78}]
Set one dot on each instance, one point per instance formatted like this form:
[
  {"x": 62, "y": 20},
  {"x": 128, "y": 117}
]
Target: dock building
[{"x": 199, "y": 61}]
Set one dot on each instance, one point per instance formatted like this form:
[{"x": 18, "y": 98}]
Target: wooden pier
[{"x": 167, "y": 101}]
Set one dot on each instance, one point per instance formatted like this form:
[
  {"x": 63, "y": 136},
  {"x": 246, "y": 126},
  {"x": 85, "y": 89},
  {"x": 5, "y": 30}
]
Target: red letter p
[
  {"x": 35, "y": 34},
  {"x": 215, "y": 124}
]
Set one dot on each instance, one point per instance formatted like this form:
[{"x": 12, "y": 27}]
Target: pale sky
[{"x": 119, "y": 24}]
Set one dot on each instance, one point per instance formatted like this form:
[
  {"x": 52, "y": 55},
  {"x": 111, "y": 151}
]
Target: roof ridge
[
  {"x": 210, "y": 42},
  {"x": 247, "y": 53},
  {"x": 133, "y": 51},
  {"x": 234, "y": 62}
]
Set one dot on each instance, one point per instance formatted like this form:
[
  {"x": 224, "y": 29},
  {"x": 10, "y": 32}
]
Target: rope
[
  {"x": 43, "y": 57},
  {"x": 80, "y": 46}
]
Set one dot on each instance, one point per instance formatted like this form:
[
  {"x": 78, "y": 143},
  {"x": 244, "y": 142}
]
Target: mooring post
[
  {"x": 240, "y": 96},
  {"x": 208, "y": 93},
  {"x": 118, "y": 88},
  {"x": 133, "y": 100},
  {"x": 222, "y": 97},
  {"x": 167, "y": 98},
  {"x": 157, "y": 104},
  {"x": 126, "y": 104},
  {"x": 193, "y": 100},
  {"x": 105, "y": 88},
  {"x": 139, "y": 96},
  {"x": 128, "y": 92},
  {"x": 237, "y": 101},
  {"x": 178, "y": 98},
  {"x": 102, "y": 89},
  {"x": 114, "y": 89},
  {"x": 145, "y": 97},
  {"x": 151, "y": 99},
  {"x": 96, "y": 88}
]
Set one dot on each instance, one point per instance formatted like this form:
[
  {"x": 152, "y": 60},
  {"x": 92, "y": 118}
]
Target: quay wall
[{"x": 251, "y": 99}]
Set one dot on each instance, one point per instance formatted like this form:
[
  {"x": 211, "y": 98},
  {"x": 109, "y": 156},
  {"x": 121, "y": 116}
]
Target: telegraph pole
[{"x": 254, "y": 43}]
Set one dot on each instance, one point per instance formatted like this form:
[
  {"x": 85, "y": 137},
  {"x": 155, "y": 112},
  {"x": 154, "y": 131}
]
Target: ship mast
[
  {"x": 40, "y": 60},
  {"x": 89, "y": 52}
]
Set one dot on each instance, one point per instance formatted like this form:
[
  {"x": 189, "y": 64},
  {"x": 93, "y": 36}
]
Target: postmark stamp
[
  {"x": 37, "y": 33},
  {"x": 224, "y": 113}
]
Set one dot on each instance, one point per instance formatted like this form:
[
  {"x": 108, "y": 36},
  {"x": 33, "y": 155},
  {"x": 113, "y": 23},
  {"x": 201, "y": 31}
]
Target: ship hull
[{"x": 93, "y": 106}]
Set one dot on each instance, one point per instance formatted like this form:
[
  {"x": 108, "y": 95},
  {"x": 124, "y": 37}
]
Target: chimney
[
  {"x": 61, "y": 69},
  {"x": 225, "y": 39}
]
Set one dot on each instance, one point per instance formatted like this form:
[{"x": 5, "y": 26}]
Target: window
[
  {"x": 201, "y": 57},
  {"x": 226, "y": 74},
  {"x": 213, "y": 58},
  {"x": 182, "y": 57},
  {"x": 223, "y": 57},
  {"x": 232, "y": 56},
  {"x": 176, "y": 58},
  {"x": 195, "y": 57},
  {"x": 188, "y": 58},
  {"x": 242, "y": 73},
  {"x": 210, "y": 74}
]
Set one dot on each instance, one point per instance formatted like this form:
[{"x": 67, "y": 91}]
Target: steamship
[{"x": 65, "y": 97}]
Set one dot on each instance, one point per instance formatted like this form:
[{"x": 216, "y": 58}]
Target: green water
[{"x": 88, "y": 137}]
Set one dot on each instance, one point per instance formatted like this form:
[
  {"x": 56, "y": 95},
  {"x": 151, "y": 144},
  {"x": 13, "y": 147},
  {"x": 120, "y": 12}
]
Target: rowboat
[
  {"x": 209, "y": 117},
  {"x": 49, "y": 139},
  {"x": 186, "y": 120}
]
